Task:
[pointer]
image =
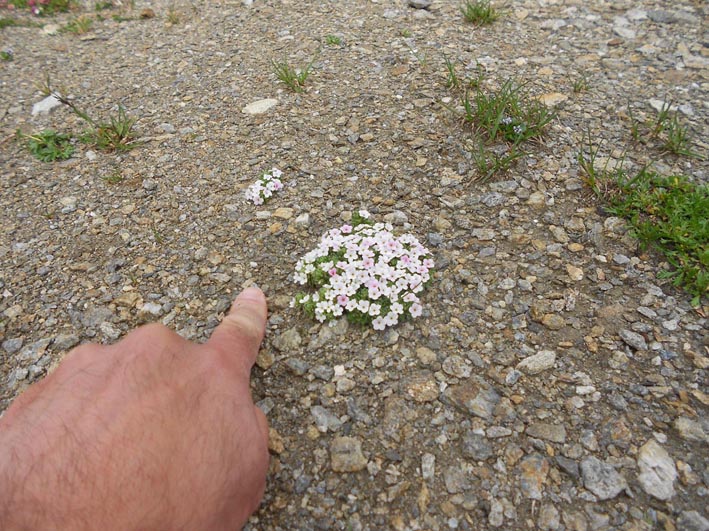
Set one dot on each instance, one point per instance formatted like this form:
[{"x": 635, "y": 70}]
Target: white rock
[
  {"x": 260, "y": 106},
  {"x": 46, "y": 105},
  {"x": 537, "y": 363},
  {"x": 657, "y": 471}
]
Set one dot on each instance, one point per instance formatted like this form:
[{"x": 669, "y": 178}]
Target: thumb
[{"x": 241, "y": 332}]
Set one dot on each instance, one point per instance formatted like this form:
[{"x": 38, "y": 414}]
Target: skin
[{"x": 153, "y": 432}]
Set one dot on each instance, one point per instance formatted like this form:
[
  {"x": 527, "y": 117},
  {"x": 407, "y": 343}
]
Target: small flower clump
[
  {"x": 363, "y": 271},
  {"x": 262, "y": 190}
]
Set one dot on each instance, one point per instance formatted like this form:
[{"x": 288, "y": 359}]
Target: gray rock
[
  {"x": 569, "y": 466},
  {"x": 692, "y": 521},
  {"x": 493, "y": 199},
  {"x": 550, "y": 432},
  {"x": 12, "y": 345},
  {"x": 324, "y": 419},
  {"x": 548, "y": 517},
  {"x": 476, "y": 446},
  {"x": 474, "y": 396},
  {"x": 497, "y": 516},
  {"x": 346, "y": 455},
  {"x": 428, "y": 466},
  {"x": 657, "y": 471},
  {"x": 456, "y": 366},
  {"x": 456, "y": 479},
  {"x": 537, "y": 363},
  {"x": 297, "y": 366},
  {"x": 324, "y": 372},
  {"x": 419, "y": 4},
  {"x": 602, "y": 479},
  {"x": 45, "y": 106},
  {"x": 633, "y": 339},
  {"x": 288, "y": 341}
]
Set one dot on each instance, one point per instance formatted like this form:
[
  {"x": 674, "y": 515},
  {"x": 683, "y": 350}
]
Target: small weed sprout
[
  {"x": 333, "y": 40},
  {"x": 48, "y": 145},
  {"x": 667, "y": 128},
  {"x": 452, "y": 80},
  {"x": 581, "y": 84},
  {"x": 405, "y": 33},
  {"x": 173, "y": 16},
  {"x": 115, "y": 135},
  {"x": 7, "y": 22},
  {"x": 479, "y": 12},
  {"x": 79, "y": 26},
  {"x": 114, "y": 178},
  {"x": 293, "y": 78},
  {"x": 7, "y": 54},
  {"x": 101, "y": 6}
]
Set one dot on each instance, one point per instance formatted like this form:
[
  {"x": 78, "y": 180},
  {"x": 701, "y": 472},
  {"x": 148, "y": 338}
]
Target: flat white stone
[
  {"x": 46, "y": 105},
  {"x": 260, "y": 106}
]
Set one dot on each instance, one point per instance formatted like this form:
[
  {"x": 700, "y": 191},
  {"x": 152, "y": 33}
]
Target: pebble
[
  {"x": 260, "y": 106},
  {"x": 540, "y": 362},
  {"x": 324, "y": 419},
  {"x": 690, "y": 429},
  {"x": 476, "y": 446},
  {"x": 474, "y": 397},
  {"x": 550, "y": 432},
  {"x": 534, "y": 470},
  {"x": 657, "y": 471},
  {"x": 549, "y": 518},
  {"x": 419, "y": 4},
  {"x": 601, "y": 478},
  {"x": 12, "y": 345},
  {"x": 692, "y": 521},
  {"x": 346, "y": 455},
  {"x": 633, "y": 339},
  {"x": 428, "y": 466},
  {"x": 45, "y": 106},
  {"x": 288, "y": 341}
]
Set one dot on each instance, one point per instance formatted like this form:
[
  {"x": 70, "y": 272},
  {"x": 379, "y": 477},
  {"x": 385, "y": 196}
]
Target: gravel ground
[{"x": 553, "y": 381}]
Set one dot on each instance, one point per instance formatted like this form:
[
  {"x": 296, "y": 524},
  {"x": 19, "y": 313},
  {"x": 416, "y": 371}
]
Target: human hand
[{"x": 153, "y": 432}]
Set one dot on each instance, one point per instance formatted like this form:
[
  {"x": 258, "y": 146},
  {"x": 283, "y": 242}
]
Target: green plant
[
  {"x": 7, "y": 54},
  {"x": 677, "y": 139},
  {"x": 333, "y": 40},
  {"x": 48, "y": 145},
  {"x": 173, "y": 16},
  {"x": 489, "y": 162},
  {"x": 405, "y": 33},
  {"x": 452, "y": 80},
  {"x": 114, "y": 178},
  {"x": 43, "y": 7},
  {"x": 7, "y": 22},
  {"x": 114, "y": 135},
  {"x": 79, "y": 25},
  {"x": 292, "y": 77},
  {"x": 101, "y": 6},
  {"x": 509, "y": 113},
  {"x": 479, "y": 12},
  {"x": 581, "y": 84}
]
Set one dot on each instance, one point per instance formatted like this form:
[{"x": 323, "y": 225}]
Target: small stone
[
  {"x": 283, "y": 213},
  {"x": 569, "y": 466},
  {"x": 425, "y": 355},
  {"x": 422, "y": 387},
  {"x": 690, "y": 430},
  {"x": 534, "y": 470},
  {"x": 456, "y": 366},
  {"x": 150, "y": 309},
  {"x": 12, "y": 345},
  {"x": 474, "y": 397},
  {"x": 288, "y": 341},
  {"x": 537, "y": 363},
  {"x": 633, "y": 339},
  {"x": 601, "y": 478},
  {"x": 297, "y": 366},
  {"x": 559, "y": 234},
  {"x": 303, "y": 220},
  {"x": 455, "y": 479},
  {"x": 275, "y": 442},
  {"x": 324, "y": 419},
  {"x": 265, "y": 359},
  {"x": 65, "y": 341},
  {"x": 536, "y": 200},
  {"x": 552, "y": 99},
  {"x": 147, "y": 13},
  {"x": 553, "y": 321},
  {"x": 428, "y": 466},
  {"x": 657, "y": 471},
  {"x": 575, "y": 273},
  {"x": 345, "y": 385},
  {"x": 497, "y": 515},
  {"x": 150, "y": 184},
  {"x": 476, "y": 446},
  {"x": 548, "y": 517},
  {"x": 692, "y": 521},
  {"x": 346, "y": 455},
  {"x": 550, "y": 432},
  {"x": 483, "y": 234},
  {"x": 110, "y": 330},
  {"x": 419, "y": 4},
  {"x": 45, "y": 106},
  {"x": 260, "y": 106}
]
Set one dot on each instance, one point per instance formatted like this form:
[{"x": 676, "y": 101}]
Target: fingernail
[{"x": 251, "y": 294}]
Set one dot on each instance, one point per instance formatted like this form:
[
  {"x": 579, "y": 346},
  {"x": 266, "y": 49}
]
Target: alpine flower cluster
[
  {"x": 363, "y": 271},
  {"x": 262, "y": 190}
]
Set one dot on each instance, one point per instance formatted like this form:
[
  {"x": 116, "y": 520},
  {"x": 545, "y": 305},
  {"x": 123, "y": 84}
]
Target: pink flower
[
  {"x": 415, "y": 310},
  {"x": 346, "y": 229},
  {"x": 342, "y": 300},
  {"x": 333, "y": 272}
]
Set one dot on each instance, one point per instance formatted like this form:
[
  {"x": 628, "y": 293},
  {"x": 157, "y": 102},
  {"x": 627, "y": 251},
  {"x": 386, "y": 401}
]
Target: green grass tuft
[
  {"x": 48, "y": 145},
  {"x": 294, "y": 78},
  {"x": 479, "y": 12}
]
